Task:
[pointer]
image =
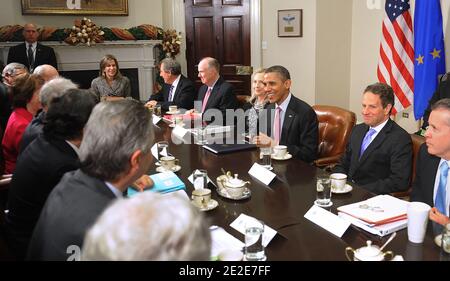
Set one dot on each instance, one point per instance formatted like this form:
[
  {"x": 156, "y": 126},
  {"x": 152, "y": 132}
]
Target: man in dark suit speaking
[
  {"x": 290, "y": 121},
  {"x": 379, "y": 153},
  {"x": 431, "y": 184},
  {"x": 177, "y": 89},
  {"x": 31, "y": 53}
]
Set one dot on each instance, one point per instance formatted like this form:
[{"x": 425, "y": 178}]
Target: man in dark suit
[
  {"x": 442, "y": 92},
  {"x": 115, "y": 151},
  {"x": 431, "y": 184},
  {"x": 379, "y": 153},
  {"x": 290, "y": 121},
  {"x": 215, "y": 93},
  {"x": 42, "y": 165},
  {"x": 177, "y": 89},
  {"x": 31, "y": 53}
]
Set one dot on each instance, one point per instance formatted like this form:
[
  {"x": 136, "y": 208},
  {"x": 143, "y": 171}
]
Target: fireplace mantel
[{"x": 140, "y": 54}]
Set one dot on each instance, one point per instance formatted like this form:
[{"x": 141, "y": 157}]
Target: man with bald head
[
  {"x": 31, "y": 53},
  {"x": 46, "y": 72}
]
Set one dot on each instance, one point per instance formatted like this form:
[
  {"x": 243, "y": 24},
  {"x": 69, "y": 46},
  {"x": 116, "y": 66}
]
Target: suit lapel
[
  {"x": 214, "y": 93},
  {"x": 288, "y": 118},
  {"x": 379, "y": 139},
  {"x": 177, "y": 90}
]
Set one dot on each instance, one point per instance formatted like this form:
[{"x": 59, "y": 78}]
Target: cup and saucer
[
  {"x": 287, "y": 156},
  {"x": 174, "y": 169},
  {"x": 173, "y": 112},
  {"x": 438, "y": 240},
  {"x": 212, "y": 204},
  {"x": 347, "y": 188}
]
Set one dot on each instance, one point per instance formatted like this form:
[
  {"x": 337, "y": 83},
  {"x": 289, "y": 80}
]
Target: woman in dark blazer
[{"x": 110, "y": 84}]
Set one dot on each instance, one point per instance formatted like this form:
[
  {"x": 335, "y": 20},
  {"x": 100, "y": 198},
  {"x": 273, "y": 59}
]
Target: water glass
[
  {"x": 445, "y": 242},
  {"x": 157, "y": 110},
  {"x": 266, "y": 161},
  {"x": 163, "y": 149},
  {"x": 201, "y": 136},
  {"x": 254, "y": 248},
  {"x": 200, "y": 179},
  {"x": 323, "y": 188}
]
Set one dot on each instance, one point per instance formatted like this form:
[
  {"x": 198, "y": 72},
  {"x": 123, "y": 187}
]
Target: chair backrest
[
  {"x": 335, "y": 126},
  {"x": 417, "y": 141}
]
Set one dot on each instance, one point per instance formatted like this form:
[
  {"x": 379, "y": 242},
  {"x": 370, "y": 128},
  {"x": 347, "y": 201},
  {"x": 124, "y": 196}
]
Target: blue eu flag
[{"x": 429, "y": 52}]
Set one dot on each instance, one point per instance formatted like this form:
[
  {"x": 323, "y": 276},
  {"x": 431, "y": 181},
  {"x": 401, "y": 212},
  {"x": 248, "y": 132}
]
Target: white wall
[
  {"x": 139, "y": 12},
  {"x": 297, "y": 54},
  {"x": 333, "y": 47}
]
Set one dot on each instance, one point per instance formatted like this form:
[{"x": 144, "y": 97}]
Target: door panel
[{"x": 219, "y": 29}]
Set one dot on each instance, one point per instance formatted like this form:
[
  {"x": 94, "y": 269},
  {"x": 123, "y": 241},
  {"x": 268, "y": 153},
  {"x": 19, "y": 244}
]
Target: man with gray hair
[
  {"x": 31, "y": 53},
  {"x": 46, "y": 71},
  {"x": 115, "y": 151},
  {"x": 136, "y": 229},
  {"x": 52, "y": 89},
  {"x": 177, "y": 89}
]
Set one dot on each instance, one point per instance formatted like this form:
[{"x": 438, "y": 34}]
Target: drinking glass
[
  {"x": 323, "y": 188},
  {"x": 157, "y": 110},
  {"x": 163, "y": 149},
  {"x": 201, "y": 136},
  {"x": 200, "y": 179},
  {"x": 254, "y": 248},
  {"x": 266, "y": 161}
]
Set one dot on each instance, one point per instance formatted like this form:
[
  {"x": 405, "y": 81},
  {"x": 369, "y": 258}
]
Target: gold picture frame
[
  {"x": 290, "y": 23},
  {"x": 75, "y": 7}
]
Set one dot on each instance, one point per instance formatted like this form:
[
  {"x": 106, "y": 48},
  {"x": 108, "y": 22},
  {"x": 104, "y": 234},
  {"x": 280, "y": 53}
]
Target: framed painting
[
  {"x": 75, "y": 7},
  {"x": 290, "y": 23}
]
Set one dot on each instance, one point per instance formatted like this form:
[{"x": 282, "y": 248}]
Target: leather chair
[
  {"x": 242, "y": 100},
  {"x": 417, "y": 141},
  {"x": 335, "y": 126}
]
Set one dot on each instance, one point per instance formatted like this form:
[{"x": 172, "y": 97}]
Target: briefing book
[{"x": 228, "y": 148}]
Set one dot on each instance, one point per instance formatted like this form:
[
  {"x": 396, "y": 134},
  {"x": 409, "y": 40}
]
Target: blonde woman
[
  {"x": 110, "y": 84},
  {"x": 257, "y": 101}
]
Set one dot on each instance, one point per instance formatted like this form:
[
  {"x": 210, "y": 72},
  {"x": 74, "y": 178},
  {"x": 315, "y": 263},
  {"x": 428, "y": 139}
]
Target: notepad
[{"x": 163, "y": 183}]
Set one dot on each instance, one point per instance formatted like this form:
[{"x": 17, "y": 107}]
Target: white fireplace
[{"x": 140, "y": 55}]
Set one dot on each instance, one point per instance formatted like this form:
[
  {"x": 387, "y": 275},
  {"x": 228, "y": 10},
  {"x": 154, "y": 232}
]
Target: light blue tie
[
  {"x": 441, "y": 194},
  {"x": 366, "y": 141}
]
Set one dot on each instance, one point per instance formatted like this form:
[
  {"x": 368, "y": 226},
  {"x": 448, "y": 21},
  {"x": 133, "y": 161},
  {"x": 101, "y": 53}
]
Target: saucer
[
  {"x": 223, "y": 192},
  {"x": 346, "y": 189},
  {"x": 173, "y": 112},
  {"x": 287, "y": 156},
  {"x": 174, "y": 169},
  {"x": 212, "y": 204},
  {"x": 323, "y": 206},
  {"x": 438, "y": 240},
  {"x": 171, "y": 125}
]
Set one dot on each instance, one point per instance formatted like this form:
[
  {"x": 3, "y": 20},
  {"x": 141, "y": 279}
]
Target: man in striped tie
[
  {"x": 290, "y": 121},
  {"x": 431, "y": 184},
  {"x": 379, "y": 153}
]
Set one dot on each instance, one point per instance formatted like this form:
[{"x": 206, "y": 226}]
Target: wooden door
[{"x": 220, "y": 29}]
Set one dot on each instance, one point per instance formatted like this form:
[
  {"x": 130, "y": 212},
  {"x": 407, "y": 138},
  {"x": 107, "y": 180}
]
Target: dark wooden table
[{"x": 283, "y": 204}]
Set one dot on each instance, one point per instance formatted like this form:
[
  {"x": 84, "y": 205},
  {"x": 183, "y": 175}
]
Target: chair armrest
[{"x": 326, "y": 161}]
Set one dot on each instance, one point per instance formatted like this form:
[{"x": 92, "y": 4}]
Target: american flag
[{"x": 396, "y": 63}]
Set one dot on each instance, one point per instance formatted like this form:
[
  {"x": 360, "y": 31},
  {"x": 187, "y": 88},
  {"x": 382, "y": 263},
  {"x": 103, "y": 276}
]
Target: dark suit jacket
[
  {"x": 442, "y": 92},
  {"x": 39, "y": 168},
  {"x": 44, "y": 55},
  {"x": 184, "y": 95},
  {"x": 385, "y": 166},
  {"x": 32, "y": 131},
  {"x": 300, "y": 132},
  {"x": 222, "y": 97},
  {"x": 71, "y": 209},
  {"x": 426, "y": 169}
]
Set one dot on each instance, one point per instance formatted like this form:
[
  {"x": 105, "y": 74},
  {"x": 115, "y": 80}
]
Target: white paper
[
  {"x": 262, "y": 174},
  {"x": 380, "y": 230},
  {"x": 179, "y": 132},
  {"x": 222, "y": 240},
  {"x": 327, "y": 220},
  {"x": 156, "y": 119},
  {"x": 239, "y": 225},
  {"x": 182, "y": 192},
  {"x": 191, "y": 180}
]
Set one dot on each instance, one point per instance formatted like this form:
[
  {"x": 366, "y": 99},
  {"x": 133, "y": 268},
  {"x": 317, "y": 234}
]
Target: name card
[
  {"x": 262, "y": 174},
  {"x": 191, "y": 180},
  {"x": 240, "y": 222},
  {"x": 156, "y": 119},
  {"x": 179, "y": 132},
  {"x": 327, "y": 220},
  {"x": 155, "y": 151}
]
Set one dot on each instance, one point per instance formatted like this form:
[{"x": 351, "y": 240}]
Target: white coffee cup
[
  {"x": 280, "y": 151},
  {"x": 338, "y": 181},
  {"x": 173, "y": 108},
  {"x": 417, "y": 221},
  {"x": 201, "y": 196}
]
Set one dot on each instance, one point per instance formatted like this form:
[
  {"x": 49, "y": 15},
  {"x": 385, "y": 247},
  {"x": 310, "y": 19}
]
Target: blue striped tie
[
  {"x": 366, "y": 141},
  {"x": 441, "y": 194}
]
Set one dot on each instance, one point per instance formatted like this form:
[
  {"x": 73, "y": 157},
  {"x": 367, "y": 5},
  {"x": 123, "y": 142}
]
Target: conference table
[{"x": 283, "y": 204}]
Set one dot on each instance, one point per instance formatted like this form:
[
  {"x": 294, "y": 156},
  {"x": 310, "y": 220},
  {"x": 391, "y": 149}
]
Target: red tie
[
  {"x": 277, "y": 125},
  {"x": 205, "y": 99}
]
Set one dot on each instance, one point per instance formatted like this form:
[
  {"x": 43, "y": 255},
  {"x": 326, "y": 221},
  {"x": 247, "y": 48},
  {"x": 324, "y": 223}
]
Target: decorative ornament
[{"x": 85, "y": 32}]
